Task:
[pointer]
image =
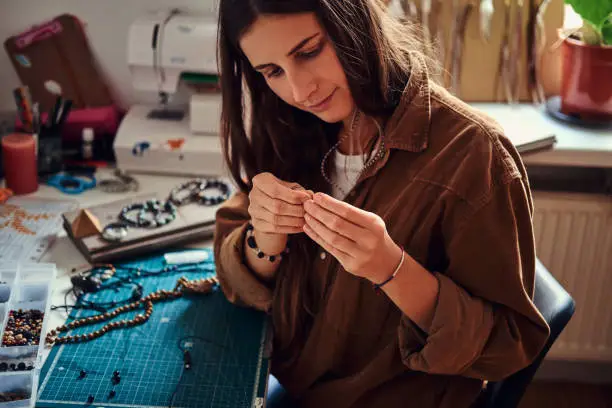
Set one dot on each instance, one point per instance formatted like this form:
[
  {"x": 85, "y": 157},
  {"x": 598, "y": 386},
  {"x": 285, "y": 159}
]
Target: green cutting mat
[{"x": 227, "y": 345}]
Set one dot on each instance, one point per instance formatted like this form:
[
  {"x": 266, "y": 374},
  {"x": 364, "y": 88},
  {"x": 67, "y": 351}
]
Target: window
[{"x": 571, "y": 19}]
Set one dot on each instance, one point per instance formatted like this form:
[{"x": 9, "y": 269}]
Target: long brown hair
[{"x": 375, "y": 53}]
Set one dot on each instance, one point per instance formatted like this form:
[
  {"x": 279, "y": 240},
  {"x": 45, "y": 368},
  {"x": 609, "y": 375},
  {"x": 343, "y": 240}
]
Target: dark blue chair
[
  {"x": 277, "y": 396},
  {"x": 557, "y": 307},
  {"x": 553, "y": 302}
]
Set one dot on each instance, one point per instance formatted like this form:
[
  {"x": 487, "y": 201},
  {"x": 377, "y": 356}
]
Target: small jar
[{"x": 88, "y": 139}]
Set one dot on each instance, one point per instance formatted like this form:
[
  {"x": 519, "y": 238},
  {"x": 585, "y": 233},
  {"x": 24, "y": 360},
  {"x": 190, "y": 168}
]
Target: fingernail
[{"x": 318, "y": 197}]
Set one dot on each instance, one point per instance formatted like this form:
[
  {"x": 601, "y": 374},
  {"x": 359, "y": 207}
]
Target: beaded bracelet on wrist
[{"x": 250, "y": 239}]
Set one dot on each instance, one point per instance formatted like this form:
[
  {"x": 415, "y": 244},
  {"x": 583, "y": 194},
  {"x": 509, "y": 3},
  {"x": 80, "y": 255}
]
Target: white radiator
[{"x": 573, "y": 235}]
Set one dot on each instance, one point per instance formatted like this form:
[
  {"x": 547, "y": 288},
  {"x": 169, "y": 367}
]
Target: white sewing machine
[{"x": 167, "y": 139}]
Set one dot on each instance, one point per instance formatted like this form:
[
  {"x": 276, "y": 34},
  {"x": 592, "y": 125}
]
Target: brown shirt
[{"x": 454, "y": 193}]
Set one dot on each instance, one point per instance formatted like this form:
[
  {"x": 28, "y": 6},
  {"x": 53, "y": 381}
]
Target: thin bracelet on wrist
[
  {"x": 252, "y": 244},
  {"x": 378, "y": 286}
]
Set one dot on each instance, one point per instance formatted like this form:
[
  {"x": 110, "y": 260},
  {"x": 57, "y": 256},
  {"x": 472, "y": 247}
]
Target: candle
[{"x": 19, "y": 162}]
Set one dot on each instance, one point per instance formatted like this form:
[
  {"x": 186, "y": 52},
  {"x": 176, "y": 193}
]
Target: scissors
[{"x": 69, "y": 184}]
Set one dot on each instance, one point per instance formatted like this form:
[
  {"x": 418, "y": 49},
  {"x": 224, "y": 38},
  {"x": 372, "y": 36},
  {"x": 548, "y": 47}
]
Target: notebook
[{"x": 527, "y": 126}]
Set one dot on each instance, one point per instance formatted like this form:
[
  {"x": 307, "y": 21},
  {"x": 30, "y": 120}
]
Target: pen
[
  {"x": 66, "y": 106},
  {"x": 51, "y": 119},
  {"x": 24, "y": 107},
  {"x": 18, "y": 104},
  {"x": 35, "y": 118},
  {"x": 27, "y": 97}
]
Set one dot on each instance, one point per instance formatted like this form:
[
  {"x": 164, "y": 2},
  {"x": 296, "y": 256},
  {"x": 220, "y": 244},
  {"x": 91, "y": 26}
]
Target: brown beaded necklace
[
  {"x": 376, "y": 157},
  {"x": 183, "y": 285}
]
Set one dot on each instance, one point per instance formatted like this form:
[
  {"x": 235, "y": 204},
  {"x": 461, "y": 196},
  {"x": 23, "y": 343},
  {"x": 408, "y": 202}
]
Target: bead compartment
[
  {"x": 25, "y": 287},
  {"x": 18, "y": 389},
  {"x": 6, "y": 283}
]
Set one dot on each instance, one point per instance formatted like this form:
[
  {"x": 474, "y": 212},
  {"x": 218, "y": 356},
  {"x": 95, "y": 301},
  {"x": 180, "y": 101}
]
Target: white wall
[{"x": 107, "y": 23}]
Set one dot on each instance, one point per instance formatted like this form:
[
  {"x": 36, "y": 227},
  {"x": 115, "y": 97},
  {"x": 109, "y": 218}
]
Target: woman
[{"x": 384, "y": 224}]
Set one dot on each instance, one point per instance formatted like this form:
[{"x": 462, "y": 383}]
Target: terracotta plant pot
[{"x": 586, "y": 87}]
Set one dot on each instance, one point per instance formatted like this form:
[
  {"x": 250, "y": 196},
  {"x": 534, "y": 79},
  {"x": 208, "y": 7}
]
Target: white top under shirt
[{"x": 348, "y": 169}]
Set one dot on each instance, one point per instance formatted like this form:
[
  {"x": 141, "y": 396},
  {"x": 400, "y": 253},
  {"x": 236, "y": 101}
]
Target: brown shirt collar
[{"x": 408, "y": 127}]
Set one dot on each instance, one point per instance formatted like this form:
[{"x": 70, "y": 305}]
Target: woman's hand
[
  {"x": 356, "y": 238},
  {"x": 276, "y": 206}
]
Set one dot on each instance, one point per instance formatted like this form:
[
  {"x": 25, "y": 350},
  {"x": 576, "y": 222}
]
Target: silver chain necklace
[{"x": 379, "y": 154}]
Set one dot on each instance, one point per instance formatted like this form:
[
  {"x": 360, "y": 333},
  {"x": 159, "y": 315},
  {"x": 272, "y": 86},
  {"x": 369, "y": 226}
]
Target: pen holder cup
[{"x": 50, "y": 157}]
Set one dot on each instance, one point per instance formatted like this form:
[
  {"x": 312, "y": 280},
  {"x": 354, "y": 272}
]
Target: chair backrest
[{"x": 557, "y": 307}]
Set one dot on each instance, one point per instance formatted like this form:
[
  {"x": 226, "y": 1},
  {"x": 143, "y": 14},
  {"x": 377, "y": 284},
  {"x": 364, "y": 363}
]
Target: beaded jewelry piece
[
  {"x": 250, "y": 239},
  {"x": 196, "y": 190},
  {"x": 115, "y": 232},
  {"x": 183, "y": 286},
  {"x": 124, "y": 215},
  {"x": 186, "y": 192},
  {"x": 106, "y": 271},
  {"x": 91, "y": 279},
  {"x": 207, "y": 199},
  {"x": 379, "y": 154},
  {"x": 122, "y": 183},
  {"x": 151, "y": 214}
]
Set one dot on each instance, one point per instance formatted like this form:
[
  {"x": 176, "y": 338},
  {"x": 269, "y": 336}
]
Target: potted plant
[{"x": 586, "y": 86}]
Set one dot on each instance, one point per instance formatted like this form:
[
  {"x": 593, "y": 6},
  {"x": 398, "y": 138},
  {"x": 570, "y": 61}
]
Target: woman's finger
[
  {"x": 276, "y": 190},
  {"x": 264, "y": 226},
  {"x": 356, "y": 215},
  {"x": 275, "y": 206},
  {"x": 334, "y": 222},
  {"x": 279, "y": 220},
  {"x": 331, "y": 238},
  {"x": 342, "y": 257}
]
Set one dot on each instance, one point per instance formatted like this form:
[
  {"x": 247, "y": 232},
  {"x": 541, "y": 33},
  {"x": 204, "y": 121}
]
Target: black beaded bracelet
[
  {"x": 151, "y": 214},
  {"x": 209, "y": 199},
  {"x": 124, "y": 214},
  {"x": 199, "y": 190},
  {"x": 186, "y": 192},
  {"x": 250, "y": 239}
]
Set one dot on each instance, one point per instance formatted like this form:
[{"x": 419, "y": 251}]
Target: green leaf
[
  {"x": 606, "y": 30},
  {"x": 593, "y": 11},
  {"x": 590, "y": 34}
]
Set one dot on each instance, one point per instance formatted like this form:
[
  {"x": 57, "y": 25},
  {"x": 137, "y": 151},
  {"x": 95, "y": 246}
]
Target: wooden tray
[{"x": 194, "y": 222}]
